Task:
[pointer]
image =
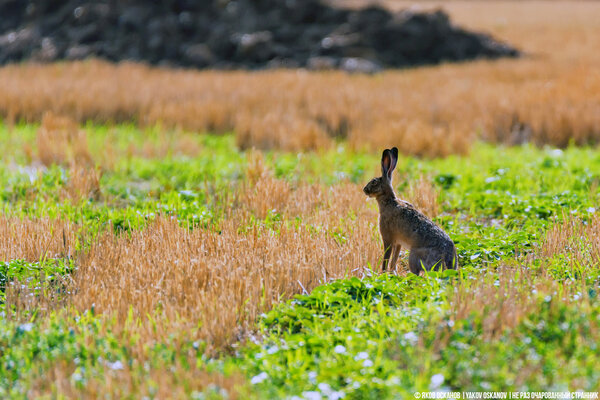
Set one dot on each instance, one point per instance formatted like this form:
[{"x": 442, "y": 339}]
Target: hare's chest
[{"x": 393, "y": 234}]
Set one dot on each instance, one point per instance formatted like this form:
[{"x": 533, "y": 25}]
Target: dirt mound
[{"x": 236, "y": 34}]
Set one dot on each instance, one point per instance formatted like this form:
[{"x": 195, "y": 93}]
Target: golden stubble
[
  {"x": 577, "y": 240},
  {"x": 36, "y": 240},
  {"x": 512, "y": 291},
  {"x": 175, "y": 382},
  {"x": 422, "y": 194},
  {"x": 214, "y": 283}
]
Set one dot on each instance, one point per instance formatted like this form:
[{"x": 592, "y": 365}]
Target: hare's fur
[{"x": 401, "y": 224}]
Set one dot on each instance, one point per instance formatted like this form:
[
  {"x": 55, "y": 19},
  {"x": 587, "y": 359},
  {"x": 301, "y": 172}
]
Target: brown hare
[{"x": 401, "y": 224}]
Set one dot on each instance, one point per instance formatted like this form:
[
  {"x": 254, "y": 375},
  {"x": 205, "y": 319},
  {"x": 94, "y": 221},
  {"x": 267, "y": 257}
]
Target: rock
[
  {"x": 283, "y": 63},
  {"x": 359, "y": 65},
  {"x": 199, "y": 55},
  {"x": 133, "y": 18},
  {"x": 12, "y": 12},
  {"x": 17, "y": 45},
  {"x": 255, "y": 47},
  {"x": 236, "y": 34},
  {"x": 48, "y": 52},
  {"x": 322, "y": 63},
  {"x": 78, "y": 52}
]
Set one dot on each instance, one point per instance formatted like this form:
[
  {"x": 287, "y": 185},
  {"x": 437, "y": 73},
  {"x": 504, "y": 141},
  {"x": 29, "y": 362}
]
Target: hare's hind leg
[
  {"x": 452, "y": 258},
  {"x": 435, "y": 260},
  {"x": 416, "y": 260}
]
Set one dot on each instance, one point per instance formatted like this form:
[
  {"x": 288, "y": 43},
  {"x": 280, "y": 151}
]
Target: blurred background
[{"x": 370, "y": 72}]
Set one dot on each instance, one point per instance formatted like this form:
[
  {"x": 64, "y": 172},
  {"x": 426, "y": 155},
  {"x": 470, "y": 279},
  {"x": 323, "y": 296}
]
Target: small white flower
[
  {"x": 436, "y": 381},
  {"x": 312, "y": 395},
  {"x": 77, "y": 377},
  {"x": 411, "y": 337},
  {"x": 325, "y": 388},
  {"x": 26, "y": 327},
  {"x": 312, "y": 377},
  {"x": 259, "y": 378},
  {"x": 363, "y": 355},
  {"x": 117, "y": 365},
  {"x": 394, "y": 380},
  {"x": 272, "y": 350},
  {"x": 336, "y": 395},
  {"x": 339, "y": 349},
  {"x": 367, "y": 363}
]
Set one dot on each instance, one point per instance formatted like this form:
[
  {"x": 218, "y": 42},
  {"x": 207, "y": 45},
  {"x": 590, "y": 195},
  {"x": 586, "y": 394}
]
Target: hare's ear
[
  {"x": 386, "y": 162},
  {"x": 394, "y": 156}
]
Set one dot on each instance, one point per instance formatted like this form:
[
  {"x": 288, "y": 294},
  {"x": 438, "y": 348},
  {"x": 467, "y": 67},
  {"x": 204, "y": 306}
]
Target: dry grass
[
  {"x": 180, "y": 285},
  {"x": 215, "y": 283},
  {"x": 504, "y": 298},
  {"x": 422, "y": 194},
  {"x": 510, "y": 294},
  {"x": 157, "y": 382},
  {"x": 551, "y": 96},
  {"x": 84, "y": 183},
  {"x": 210, "y": 284},
  {"x": 60, "y": 141},
  {"x": 577, "y": 241},
  {"x": 36, "y": 239}
]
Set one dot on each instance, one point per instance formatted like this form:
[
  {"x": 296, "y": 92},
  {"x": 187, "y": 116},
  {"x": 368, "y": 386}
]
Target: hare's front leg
[
  {"x": 387, "y": 246},
  {"x": 395, "y": 253}
]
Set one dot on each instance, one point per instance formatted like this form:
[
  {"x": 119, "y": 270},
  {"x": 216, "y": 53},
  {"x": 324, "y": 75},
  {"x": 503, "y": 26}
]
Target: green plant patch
[
  {"x": 33, "y": 278},
  {"x": 388, "y": 337}
]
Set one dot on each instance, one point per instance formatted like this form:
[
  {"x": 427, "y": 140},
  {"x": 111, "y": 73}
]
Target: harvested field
[{"x": 162, "y": 237}]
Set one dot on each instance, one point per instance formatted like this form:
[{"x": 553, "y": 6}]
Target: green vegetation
[
  {"x": 512, "y": 318},
  {"x": 391, "y": 336}
]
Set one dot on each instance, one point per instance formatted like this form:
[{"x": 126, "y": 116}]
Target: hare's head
[{"x": 383, "y": 185}]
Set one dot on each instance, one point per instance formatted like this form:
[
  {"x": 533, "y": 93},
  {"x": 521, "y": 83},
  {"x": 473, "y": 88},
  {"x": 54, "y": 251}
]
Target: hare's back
[{"x": 423, "y": 232}]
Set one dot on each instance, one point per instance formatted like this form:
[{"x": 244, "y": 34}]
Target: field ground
[
  {"x": 154, "y": 259},
  {"x": 139, "y": 258}
]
